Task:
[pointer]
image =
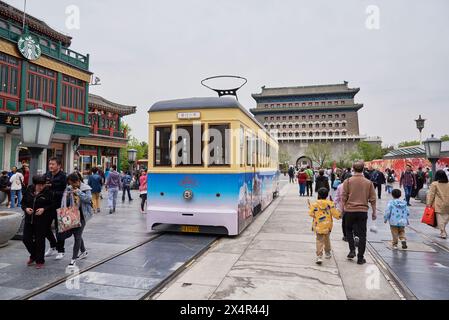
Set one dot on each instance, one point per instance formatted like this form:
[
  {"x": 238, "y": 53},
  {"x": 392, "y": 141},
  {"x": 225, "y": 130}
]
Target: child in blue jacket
[{"x": 397, "y": 214}]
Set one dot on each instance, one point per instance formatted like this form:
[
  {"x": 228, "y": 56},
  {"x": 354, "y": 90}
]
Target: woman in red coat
[{"x": 302, "y": 180}]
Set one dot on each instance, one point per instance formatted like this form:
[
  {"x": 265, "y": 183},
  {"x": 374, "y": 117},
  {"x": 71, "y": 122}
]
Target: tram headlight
[{"x": 188, "y": 194}]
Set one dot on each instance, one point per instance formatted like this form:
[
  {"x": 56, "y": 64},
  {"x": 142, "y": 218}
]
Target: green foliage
[
  {"x": 368, "y": 152},
  {"x": 133, "y": 143},
  {"x": 445, "y": 137},
  {"x": 319, "y": 153},
  {"x": 284, "y": 160},
  {"x": 409, "y": 143}
]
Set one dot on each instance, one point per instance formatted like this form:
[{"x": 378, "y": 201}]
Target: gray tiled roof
[{"x": 415, "y": 151}]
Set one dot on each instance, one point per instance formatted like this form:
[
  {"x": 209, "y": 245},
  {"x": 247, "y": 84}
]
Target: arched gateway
[{"x": 303, "y": 162}]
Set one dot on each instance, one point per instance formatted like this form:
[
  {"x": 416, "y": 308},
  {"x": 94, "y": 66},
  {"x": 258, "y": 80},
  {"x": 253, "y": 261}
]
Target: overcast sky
[{"x": 145, "y": 51}]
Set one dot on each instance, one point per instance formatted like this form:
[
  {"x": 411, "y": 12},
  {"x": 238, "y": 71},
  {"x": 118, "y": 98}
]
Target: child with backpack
[
  {"x": 323, "y": 211},
  {"x": 397, "y": 214}
]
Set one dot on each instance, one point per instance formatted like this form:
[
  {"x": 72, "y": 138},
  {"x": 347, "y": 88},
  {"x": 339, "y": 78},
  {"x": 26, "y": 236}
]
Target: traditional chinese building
[
  {"x": 39, "y": 70},
  {"x": 106, "y": 138},
  {"x": 299, "y": 116}
]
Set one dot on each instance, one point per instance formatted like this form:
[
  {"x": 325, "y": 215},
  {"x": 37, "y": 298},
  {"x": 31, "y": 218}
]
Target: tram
[{"x": 212, "y": 166}]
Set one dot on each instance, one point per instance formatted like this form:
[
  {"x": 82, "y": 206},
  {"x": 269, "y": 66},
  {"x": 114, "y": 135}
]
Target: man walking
[
  {"x": 408, "y": 181},
  {"x": 420, "y": 181},
  {"x": 310, "y": 176},
  {"x": 113, "y": 187},
  {"x": 95, "y": 182},
  {"x": 291, "y": 174},
  {"x": 57, "y": 182},
  {"x": 357, "y": 193},
  {"x": 126, "y": 184},
  {"x": 378, "y": 179}
]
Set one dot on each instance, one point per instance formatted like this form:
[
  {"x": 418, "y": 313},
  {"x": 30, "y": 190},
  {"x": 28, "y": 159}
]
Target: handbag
[
  {"x": 69, "y": 217},
  {"x": 429, "y": 217}
]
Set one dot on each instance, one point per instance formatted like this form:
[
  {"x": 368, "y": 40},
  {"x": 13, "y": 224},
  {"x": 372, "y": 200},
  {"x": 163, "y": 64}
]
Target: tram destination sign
[
  {"x": 189, "y": 115},
  {"x": 10, "y": 120}
]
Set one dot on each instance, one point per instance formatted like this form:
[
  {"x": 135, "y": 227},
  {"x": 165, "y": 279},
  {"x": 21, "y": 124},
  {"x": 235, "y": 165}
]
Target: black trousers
[
  {"x": 143, "y": 196},
  {"x": 126, "y": 189},
  {"x": 78, "y": 243},
  {"x": 34, "y": 240},
  {"x": 356, "y": 221},
  {"x": 343, "y": 227},
  {"x": 379, "y": 190},
  {"x": 309, "y": 188}
]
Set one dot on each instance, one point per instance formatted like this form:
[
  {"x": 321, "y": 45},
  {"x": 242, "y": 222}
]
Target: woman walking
[
  {"x": 438, "y": 198},
  {"x": 143, "y": 190},
  {"x": 82, "y": 197},
  {"x": 37, "y": 204},
  {"x": 302, "y": 180}
]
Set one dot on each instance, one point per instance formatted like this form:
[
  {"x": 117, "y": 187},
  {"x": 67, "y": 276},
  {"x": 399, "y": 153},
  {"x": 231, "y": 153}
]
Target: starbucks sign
[{"x": 29, "y": 47}]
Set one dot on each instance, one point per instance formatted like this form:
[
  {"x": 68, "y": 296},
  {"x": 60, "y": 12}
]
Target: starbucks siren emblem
[{"x": 29, "y": 47}]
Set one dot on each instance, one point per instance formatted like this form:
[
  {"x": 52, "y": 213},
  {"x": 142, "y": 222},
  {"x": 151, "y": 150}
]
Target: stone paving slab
[{"x": 277, "y": 261}]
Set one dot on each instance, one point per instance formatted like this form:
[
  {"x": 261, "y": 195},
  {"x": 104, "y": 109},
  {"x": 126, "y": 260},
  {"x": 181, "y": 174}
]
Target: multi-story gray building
[{"x": 311, "y": 114}]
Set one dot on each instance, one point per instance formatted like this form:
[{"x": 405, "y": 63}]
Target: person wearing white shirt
[{"x": 16, "y": 181}]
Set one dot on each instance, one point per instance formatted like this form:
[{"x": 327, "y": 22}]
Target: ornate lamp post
[
  {"x": 433, "y": 152},
  {"x": 132, "y": 154},
  {"x": 36, "y": 130},
  {"x": 420, "y": 126}
]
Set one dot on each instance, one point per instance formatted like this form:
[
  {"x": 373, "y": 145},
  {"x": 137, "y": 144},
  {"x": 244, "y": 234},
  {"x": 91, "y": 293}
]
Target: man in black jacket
[
  {"x": 378, "y": 179},
  {"x": 57, "y": 182},
  {"x": 321, "y": 181}
]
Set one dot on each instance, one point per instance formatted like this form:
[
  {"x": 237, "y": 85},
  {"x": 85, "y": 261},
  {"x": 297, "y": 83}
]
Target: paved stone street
[
  {"x": 104, "y": 236},
  {"x": 275, "y": 259}
]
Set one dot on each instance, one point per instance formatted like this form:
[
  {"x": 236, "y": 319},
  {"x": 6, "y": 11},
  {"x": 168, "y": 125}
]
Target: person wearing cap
[{"x": 37, "y": 203}]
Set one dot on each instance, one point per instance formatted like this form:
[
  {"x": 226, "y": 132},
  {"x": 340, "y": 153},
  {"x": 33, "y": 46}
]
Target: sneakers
[
  {"x": 345, "y": 239},
  {"x": 83, "y": 255},
  {"x": 39, "y": 265},
  {"x": 30, "y": 262},
  {"x": 98, "y": 210},
  {"x": 59, "y": 256},
  {"x": 404, "y": 245},
  {"x": 51, "y": 252},
  {"x": 319, "y": 260},
  {"x": 328, "y": 255},
  {"x": 72, "y": 264},
  {"x": 395, "y": 247},
  {"x": 351, "y": 255},
  {"x": 110, "y": 211},
  {"x": 361, "y": 261}
]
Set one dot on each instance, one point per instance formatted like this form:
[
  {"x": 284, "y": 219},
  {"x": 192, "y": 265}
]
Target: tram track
[
  {"x": 57, "y": 282},
  {"x": 398, "y": 285}
]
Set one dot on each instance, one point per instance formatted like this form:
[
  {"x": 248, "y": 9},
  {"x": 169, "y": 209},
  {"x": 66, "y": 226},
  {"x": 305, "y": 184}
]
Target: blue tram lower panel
[{"x": 219, "y": 200}]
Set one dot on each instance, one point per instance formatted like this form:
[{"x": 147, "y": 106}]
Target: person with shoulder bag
[
  {"x": 16, "y": 181},
  {"x": 81, "y": 195},
  {"x": 438, "y": 199}
]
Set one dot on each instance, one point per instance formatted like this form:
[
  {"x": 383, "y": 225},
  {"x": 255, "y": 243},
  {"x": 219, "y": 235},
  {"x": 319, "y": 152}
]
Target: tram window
[
  {"x": 249, "y": 150},
  {"x": 189, "y": 145},
  {"x": 219, "y": 145},
  {"x": 162, "y": 146}
]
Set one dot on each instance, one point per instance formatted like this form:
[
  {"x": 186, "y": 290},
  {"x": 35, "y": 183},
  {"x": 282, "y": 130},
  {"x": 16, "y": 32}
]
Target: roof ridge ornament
[{"x": 225, "y": 92}]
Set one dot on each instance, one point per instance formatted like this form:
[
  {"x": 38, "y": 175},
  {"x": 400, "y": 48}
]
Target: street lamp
[
  {"x": 420, "y": 125},
  {"x": 433, "y": 152},
  {"x": 36, "y": 130},
  {"x": 132, "y": 154}
]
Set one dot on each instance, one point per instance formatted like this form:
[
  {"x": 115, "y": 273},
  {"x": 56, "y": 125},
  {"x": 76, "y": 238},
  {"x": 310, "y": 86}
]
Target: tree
[
  {"x": 409, "y": 143},
  {"x": 368, "y": 152},
  {"x": 319, "y": 153},
  {"x": 133, "y": 143},
  {"x": 445, "y": 137},
  {"x": 284, "y": 160}
]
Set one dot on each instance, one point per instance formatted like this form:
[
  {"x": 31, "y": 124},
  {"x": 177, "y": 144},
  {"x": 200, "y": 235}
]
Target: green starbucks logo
[{"x": 29, "y": 47}]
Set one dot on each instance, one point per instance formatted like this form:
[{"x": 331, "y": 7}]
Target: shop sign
[
  {"x": 29, "y": 46},
  {"x": 10, "y": 120}
]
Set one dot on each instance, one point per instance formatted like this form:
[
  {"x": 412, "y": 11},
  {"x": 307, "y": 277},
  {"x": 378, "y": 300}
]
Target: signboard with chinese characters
[
  {"x": 10, "y": 120},
  {"x": 189, "y": 115}
]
